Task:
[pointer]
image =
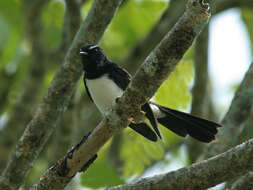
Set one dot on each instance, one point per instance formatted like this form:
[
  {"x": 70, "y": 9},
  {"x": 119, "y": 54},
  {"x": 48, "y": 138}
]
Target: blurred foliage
[
  {"x": 12, "y": 29},
  {"x": 101, "y": 174},
  {"x": 247, "y": 17},
  {"x": 133, "y": 21},
  {"x": 177, "y": 86},
  {"x": 53, "y": 23},
  {"x": 13, "y": 54}
]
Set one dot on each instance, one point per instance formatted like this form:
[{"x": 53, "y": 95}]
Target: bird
[{"x": 105, "y": 81}]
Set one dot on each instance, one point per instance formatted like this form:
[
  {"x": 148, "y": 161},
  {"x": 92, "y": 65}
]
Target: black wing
[
  {"x": 120, "y": 76},
  {"x": 86, "y": 88}
]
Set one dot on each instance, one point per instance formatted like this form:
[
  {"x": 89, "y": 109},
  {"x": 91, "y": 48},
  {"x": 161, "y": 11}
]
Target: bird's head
[{"x": 92, "y": 57}]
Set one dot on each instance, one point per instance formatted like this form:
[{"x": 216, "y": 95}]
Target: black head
[{"x": 92, "y": 57}]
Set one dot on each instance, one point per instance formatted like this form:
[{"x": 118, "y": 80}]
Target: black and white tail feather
[{"x": 105, "y": 81}]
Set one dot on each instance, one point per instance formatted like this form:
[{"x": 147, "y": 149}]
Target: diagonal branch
[
  {"x": 202, "y": 175},
  {"x": 21, "y": 113},
  {"x": 245, "y": 182},
  {"x": 237, "y": 114},
  {"x": 156, "y": 68},
  {"x": 167, "y": 21},
  {"x": 72, "y": 20},
  {"x": 57, "y": 96}
]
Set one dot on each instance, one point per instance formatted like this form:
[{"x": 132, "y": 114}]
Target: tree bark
[
  {"x": 156, "y": 68},
  {"x": 202, "y": 175},
  {"x": 57, "y": 97}
]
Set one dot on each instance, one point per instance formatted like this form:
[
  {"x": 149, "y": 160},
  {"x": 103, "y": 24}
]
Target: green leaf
[
  {"x": 12, "y": 29},
  {"x": 174, "y": 92},
  {"x": 138, "y": 153},
  {"x": 100, "y": 174},
  {"x": 12, "y": 11},
  {"x": 247, "y": 17},
  {"x": 133, "y": 21},
  {"x": 52, "y": 18}
]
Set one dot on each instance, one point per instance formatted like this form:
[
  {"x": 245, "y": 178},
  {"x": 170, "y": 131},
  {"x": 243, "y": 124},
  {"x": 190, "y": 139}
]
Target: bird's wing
[
  {"x": 86, "y": 88},
  {"x": 120, "y": 76}
]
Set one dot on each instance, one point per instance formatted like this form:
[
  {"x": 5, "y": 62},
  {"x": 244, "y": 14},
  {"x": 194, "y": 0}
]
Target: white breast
[{"x": 103, "y": 92}]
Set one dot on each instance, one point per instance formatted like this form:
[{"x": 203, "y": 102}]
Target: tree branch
[
  {"x": 166, "y": 22},
  {"x": 202, "y": 175},
  {"x": 156, "y": 68},
  {"x": 237, "y": 114},
  {"x": 243, "y": 183},
  {"x": 63, "y": 134},
  {"x": 72, "y": 20},
  {"x": 57, "y": 96},
  {"x": 113, "y": 155},
  {"x": 199, "y": 91},
  {"x": 22, "y": 113}
]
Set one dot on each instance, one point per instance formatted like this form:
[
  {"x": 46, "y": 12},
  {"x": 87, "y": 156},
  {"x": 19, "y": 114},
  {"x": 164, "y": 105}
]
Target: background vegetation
[{"x": 34, "y": 38}]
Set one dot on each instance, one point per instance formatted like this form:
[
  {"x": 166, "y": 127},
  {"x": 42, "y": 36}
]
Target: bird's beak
[{"x": 83, "y": 53}]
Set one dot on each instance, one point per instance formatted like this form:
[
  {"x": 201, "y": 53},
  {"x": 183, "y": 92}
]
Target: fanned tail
[
  {"x": 179, "y": 122},
  {"x": 182, "y": 124}
]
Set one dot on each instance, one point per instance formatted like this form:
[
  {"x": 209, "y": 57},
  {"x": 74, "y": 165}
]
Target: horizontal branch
[
  {"x": 156, "y": 68},
  {"x": 202, "y": 175},
  {"x": 57, "y": 97}
]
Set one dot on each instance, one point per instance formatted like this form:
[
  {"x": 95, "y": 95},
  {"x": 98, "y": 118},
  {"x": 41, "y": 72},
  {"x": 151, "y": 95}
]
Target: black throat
[{"x": 96, "y": 70}]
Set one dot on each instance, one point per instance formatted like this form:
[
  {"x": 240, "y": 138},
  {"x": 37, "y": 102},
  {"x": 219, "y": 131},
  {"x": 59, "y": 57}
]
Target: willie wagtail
[{"x": 105, "y": 81}]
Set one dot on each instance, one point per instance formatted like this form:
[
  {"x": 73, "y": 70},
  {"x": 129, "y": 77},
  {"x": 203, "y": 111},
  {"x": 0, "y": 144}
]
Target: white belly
[{"x": 103, "y": 92}]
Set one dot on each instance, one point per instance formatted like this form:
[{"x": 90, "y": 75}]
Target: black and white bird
[{"x": 105, "y": 81}]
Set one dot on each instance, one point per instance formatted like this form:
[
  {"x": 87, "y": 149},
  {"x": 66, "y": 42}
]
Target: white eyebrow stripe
[
  {"x": 83, "y": 52},
  {"x": 92, "y": 47}
]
